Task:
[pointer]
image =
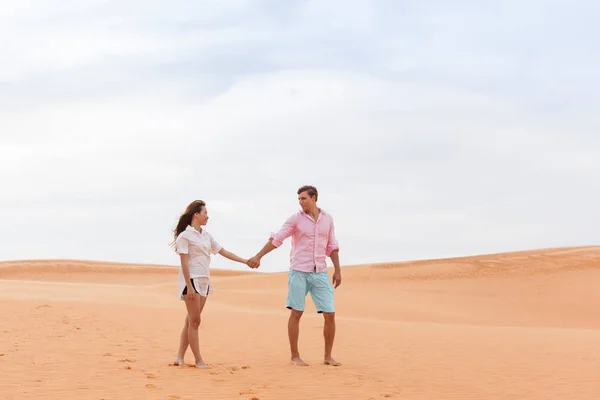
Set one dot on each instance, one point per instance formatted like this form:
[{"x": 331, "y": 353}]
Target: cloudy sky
[{"x": 431, "y": 128}]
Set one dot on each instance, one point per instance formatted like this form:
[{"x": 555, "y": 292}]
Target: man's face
[{"x": 306, "y": 202}]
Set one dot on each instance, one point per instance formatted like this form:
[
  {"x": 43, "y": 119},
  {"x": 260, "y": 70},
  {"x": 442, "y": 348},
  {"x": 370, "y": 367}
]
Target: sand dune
[{"x": 522, "y": 325}]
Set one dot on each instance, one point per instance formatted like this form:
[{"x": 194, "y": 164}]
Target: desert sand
[{"x": 522, "y": 325}]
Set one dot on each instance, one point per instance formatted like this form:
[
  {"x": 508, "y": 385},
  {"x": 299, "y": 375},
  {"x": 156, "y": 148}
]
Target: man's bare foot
[
  {"x": 331, "y": 361},
  {"x": 299, "y": 361}
]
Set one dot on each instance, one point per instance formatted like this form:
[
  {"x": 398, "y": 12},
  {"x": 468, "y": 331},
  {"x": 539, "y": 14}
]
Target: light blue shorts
[{"x": 319, "y": 286}]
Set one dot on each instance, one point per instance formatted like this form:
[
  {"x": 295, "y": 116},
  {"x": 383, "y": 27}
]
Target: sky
[{"x": 431, "y": 129}]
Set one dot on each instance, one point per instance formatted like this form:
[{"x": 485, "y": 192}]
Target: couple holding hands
[{"x": 313, "y": 240}]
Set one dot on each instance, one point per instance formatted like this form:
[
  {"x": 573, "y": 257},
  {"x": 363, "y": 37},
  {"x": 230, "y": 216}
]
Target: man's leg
[
  {"x": 321, "y": 291},
  {"x": 329, "y": 335},
  {"x": 297, "y": 291},
  {"x": 293, "y": 334}
]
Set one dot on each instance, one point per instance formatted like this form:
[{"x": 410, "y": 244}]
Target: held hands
[{"x": 253, "y": 262}]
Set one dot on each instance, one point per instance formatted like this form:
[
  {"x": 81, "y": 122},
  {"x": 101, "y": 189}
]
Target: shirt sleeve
[
  {"x": 215, "y": 247},
  {"x": 182, "y": 245},
  {"x": 284, "y": 232},
  {"x": 332, "y": 243}
]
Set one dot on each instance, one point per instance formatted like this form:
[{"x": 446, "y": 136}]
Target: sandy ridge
[{"x": 518, "y": 325}]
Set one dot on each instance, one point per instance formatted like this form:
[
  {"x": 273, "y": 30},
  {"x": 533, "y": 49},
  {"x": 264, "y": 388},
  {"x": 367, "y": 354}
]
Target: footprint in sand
[
  {"x": 174, "y": 398},
  {"x": 231, "y": 370},
  {"x": 126, "y": 360},
  {"x": 249, "y": 391},
  {"x": 151, "y": 386},
  {"x": 150, "y": 376},
  {"x": 235, "y": 369}
]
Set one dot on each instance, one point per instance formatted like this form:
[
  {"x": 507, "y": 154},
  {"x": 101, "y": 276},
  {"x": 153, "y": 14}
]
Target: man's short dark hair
[{"x": 311, "y": 190}]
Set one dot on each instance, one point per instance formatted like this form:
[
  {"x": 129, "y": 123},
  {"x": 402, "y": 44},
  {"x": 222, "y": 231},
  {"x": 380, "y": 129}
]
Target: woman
[{"x": 195, "y": 246}]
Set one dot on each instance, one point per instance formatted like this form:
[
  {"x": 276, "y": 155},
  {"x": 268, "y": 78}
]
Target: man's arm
[
  {"x": 335, "y": 258},
  {"x": 254, "y": 262},
  {"x": 333, "y": 250},
  {"x": 267, "y": 248},
  {"x": 276, "y": 239},
  {"x": 336, "y": 279}
]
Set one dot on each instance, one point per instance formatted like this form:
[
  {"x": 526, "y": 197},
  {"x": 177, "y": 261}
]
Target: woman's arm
[
  {"x": 231, "y": 256},
  {"x": 186, "y": 274}
]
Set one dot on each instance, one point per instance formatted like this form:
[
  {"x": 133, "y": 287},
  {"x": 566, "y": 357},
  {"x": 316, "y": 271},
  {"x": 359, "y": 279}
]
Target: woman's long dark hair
[{"x": 186, "y": 218}]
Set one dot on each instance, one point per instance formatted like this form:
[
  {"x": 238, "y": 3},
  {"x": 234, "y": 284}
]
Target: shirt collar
[
  {"x": 321, "y": 213},
  {"x": 192, "y": 229}
]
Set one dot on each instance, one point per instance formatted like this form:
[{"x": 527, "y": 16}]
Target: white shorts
[{"x": 201, "y": 285}]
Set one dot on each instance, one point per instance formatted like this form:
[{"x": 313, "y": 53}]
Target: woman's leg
[
  {"x": 183, "y": 343},
  {"x": 194, "y": 308}
]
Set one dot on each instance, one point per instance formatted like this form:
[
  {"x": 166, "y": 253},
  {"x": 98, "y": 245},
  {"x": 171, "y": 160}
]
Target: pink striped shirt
[{"x": 312, "y": 242}]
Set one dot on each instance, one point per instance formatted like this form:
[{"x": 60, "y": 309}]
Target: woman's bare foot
[
  {"x": 331, "y": 361},
  {"x": 201, "y": 364},
  {"x": 299, "y": 361},
  {"x": 178, "y": 362}
]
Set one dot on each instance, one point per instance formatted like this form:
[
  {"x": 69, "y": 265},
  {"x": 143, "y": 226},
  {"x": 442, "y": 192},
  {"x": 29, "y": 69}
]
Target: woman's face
[{"x": 202, "y": 216}]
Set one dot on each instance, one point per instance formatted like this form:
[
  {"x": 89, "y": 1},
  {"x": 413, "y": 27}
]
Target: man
[{"x": 313, "y": 239}]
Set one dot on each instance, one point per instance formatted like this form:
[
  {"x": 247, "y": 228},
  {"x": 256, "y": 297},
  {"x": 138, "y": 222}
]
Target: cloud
[{"x": 430, "y": 131}]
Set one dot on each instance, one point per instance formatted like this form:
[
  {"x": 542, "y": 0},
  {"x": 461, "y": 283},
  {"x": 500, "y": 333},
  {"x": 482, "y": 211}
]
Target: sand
[{"x": 523, "y": 325}]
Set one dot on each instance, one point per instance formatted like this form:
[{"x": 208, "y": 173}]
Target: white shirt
[{"x": 199, "y": 246}]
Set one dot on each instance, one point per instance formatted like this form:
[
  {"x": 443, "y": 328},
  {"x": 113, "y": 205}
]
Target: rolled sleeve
[
  {"x": 215, "y": 246},
  {"x": 284, "y": 232},
  {"x": 332, "y": 243},
  {"x": 182, "y": 245}
]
